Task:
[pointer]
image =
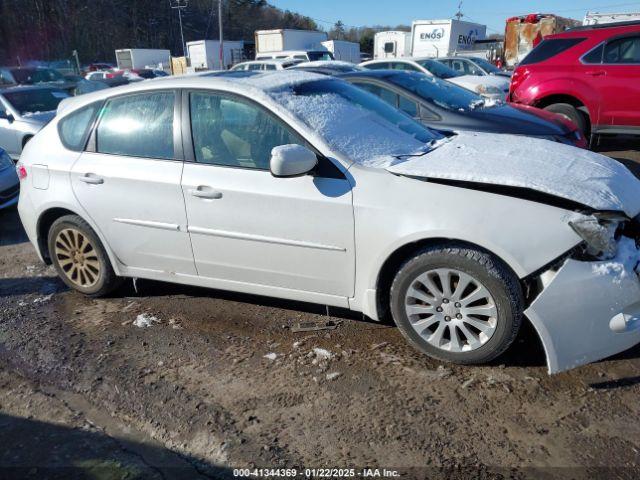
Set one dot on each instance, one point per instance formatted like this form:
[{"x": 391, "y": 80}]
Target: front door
[
  {"x": 250, "y": 228},
  {"x": 129, "y": 183}
]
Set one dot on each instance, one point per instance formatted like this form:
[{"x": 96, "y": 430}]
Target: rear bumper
[{"x": 587, "y": 311}]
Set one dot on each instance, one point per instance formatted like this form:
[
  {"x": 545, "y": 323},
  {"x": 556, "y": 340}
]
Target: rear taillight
[{"x": 22, "y": 171}]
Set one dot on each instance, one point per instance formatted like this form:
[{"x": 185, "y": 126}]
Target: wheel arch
[
  {"x": 573, "y": 100},
  {"x": 393, "y": 262}
]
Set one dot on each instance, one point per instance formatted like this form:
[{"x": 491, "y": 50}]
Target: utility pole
[
  {"x": 180, "y": 5},
  {"x": 459, "y": 13},
  {"x": 222, "y": 65}
]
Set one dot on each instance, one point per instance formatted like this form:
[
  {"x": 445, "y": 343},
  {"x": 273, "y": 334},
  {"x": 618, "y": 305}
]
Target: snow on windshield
[{"x": 352, "y": 121}]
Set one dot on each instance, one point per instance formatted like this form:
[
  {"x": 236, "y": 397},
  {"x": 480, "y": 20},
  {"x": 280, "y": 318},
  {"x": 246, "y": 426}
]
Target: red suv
[{"x": 590, "y": 75}]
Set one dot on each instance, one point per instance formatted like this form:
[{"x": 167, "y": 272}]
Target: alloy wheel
[
  {"x": 451, "y": 310},
  {"x": 77, "y": 257}
]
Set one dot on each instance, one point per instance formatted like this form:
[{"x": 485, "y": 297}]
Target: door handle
[
  {"x": 596, "y": 73},
  {"x": 91, "y": 179},
  {"x": 205, "y": 192}
]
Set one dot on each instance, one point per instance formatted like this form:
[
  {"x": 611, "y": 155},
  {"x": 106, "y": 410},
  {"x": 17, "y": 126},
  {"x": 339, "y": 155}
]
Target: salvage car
[
  {"x": 305, "y": 187},
  {"x": 488, "y": 86},
  {"x": 9, "y": 183},
  {"x": 23, "y": 112},
  {"x": 445, "y": 106}
]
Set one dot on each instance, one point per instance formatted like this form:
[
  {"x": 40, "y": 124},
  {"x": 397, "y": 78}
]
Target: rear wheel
[
  {"x": 457, "y": 304},
  {"x": 79, "y": 257},
  {"x": 570, "y": 113}
]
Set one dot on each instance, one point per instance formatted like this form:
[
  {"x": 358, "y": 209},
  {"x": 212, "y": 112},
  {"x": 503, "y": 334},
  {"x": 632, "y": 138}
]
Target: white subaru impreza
[{"x": 304, "y": 187}]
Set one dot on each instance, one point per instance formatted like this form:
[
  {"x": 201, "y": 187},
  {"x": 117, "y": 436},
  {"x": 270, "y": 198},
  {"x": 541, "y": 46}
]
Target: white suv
[{"x": 304, "y": 187}]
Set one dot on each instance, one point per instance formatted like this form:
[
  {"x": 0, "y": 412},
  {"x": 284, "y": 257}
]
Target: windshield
[
  {"x": 444, "y": 94},
  {"x": 315, "y": 56},
  {"x": 356, "y": 123},
  {"x": 486, "y": 65},
  {"x": 34, "y": 101},
  {"x": 438, "y": 69},
  {"x": 36, "y": 75}
]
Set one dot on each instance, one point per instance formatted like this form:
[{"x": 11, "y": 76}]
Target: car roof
[
  {"x": 272, "y": 61},
  {"x": 600, "y": 30}
]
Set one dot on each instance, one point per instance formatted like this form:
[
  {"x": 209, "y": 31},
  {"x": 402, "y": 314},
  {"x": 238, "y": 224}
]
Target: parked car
[
  {"x": 36, "y": 76},
  {"x": 490, "y": 87},
  {"x": 591, "y": 75},
  {"x": 305, "y": 187},
  {"x": 276, "y": 64},
  {"x": 304, "y": 55},
  {"x": 9, "y": 183},
  {"x": 23, "y": 112},
  {"x": 473, "y": 66},
  {"x": 445, "y": 106},
  {"x": 328, "y": 67}
]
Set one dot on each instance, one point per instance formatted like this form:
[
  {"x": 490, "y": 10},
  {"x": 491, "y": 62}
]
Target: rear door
[
  {"x": 621, "y": 83},
  {"x": 249, "y": 228},
  {"x": 128, "y": 181}
]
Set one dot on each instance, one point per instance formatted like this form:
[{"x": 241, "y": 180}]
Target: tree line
[{"x": 52, "y": 29}]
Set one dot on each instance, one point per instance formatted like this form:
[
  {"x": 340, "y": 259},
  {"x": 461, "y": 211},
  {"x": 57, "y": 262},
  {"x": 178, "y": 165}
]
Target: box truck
[
  {"x": 595, "y": 18},
  {"x": 134, "y": 58},
  {"x": 205, "y": 54},
  {"x": 345, "y": 51},
  {"x": 272, "y": 41},
  {"x": 441, "y": 38},
  {"x": 393, "y": 44},
  {"x": 525, "y": 32}
]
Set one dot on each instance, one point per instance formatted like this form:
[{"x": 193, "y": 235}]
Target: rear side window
[
  {"x": 74, "y": 128},
  {"x": 138, "y": 126},
  {"x": 623, "y": 50},
  {"x": 594, "y": 56},
  {"x": 378, "y": 66},
  {"x": 549, "y": 49}
]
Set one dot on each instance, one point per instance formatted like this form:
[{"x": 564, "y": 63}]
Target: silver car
[
  {"x": 23, "y": 112},
  {"x": 9, "y": 184}
]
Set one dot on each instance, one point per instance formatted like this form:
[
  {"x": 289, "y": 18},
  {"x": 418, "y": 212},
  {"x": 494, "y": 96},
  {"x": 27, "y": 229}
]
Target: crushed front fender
[{"x": 587, "y": 311}]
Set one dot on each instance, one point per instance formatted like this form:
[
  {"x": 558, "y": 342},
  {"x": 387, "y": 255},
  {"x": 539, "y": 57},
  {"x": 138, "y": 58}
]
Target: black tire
[
  {"x": 496, "y": 277},
  {"x": 572, "y": 113},
  {"x": 105, "y": 280}
]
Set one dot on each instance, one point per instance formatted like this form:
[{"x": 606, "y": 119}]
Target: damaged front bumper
[{"x": 586, "y": 311}]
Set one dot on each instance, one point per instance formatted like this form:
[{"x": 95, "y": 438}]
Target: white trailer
[
  {"x": 441, "y": 38},
  {"x": 269, "y": 41},
  {"x": 392, "y": 44},
  {"x": 205, "y": 54},
  {"x": 595, "y": 18},
  {"x": 134, "y": 58},
  {"x": 345, "y": 51}
]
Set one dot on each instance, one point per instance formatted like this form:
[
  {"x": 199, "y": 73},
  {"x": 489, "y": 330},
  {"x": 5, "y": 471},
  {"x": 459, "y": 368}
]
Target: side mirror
[
  {"x": 292, "y": 161},
  {"x": 4, "y": 114}
]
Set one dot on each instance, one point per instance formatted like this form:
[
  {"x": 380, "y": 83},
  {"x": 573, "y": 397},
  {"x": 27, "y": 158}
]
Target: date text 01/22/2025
[{"x": 316, "y": 473}]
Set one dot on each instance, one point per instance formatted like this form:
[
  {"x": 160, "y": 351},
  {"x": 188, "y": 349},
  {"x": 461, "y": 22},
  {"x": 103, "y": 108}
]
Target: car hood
[
  {"x": 38, "y": 118},
  {"x": 487, "y": 80},
  {"x": 507, "y": 119},
  {"x": 549, "y": 169}
]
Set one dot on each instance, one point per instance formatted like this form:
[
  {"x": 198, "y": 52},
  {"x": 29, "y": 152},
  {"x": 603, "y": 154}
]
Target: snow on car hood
[{"x": 577, "y": 175}]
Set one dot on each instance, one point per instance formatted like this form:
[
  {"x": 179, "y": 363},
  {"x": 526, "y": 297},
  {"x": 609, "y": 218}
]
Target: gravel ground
[{"x": 221, "y": 381}]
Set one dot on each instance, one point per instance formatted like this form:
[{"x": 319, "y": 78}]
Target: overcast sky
[{"x": 492, "y": 13}]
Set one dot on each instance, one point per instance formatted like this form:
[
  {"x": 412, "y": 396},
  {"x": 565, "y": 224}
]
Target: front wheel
[
  {"x": 79, "y": 257},
  {"x": 457, "y": 304}
]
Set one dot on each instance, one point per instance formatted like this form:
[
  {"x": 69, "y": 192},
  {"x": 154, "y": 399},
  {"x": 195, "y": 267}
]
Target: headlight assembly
[
  {"x": 488, "y": 90},
  {"x": 599, "y": 233}
]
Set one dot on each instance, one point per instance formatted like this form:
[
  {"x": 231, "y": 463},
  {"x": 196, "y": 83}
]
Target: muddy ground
[{"x": 222, "y": 381}]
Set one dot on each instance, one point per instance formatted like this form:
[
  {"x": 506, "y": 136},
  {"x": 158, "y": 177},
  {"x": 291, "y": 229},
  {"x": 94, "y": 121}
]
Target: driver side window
[{"x": 231, "y": 132}]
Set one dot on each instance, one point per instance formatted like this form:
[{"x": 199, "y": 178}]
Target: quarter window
[
  {"x": 408, "y": 106},
  {"x": 623, "y": 50},
  {"x": 138, "y": 126},
  {"x": 74, "y": 128},
  {"x": 231, "y": 132}
]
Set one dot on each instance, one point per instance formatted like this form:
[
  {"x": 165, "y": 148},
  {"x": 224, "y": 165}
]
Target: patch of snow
[
  {"x": 624, "y": 263},
  {"x": 271, "y": 356},
  {"x": 44, "y": 299},
  {"x": 333, "y": 375},
  {"x": 322, "y": 354},
  {"x": 145, "y": 320},
  {"x": 561, "y": 170}
]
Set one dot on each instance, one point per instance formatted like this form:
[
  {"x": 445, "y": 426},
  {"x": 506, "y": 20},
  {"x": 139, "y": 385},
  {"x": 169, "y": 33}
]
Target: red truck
[{"x": 590, "y": 75}]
